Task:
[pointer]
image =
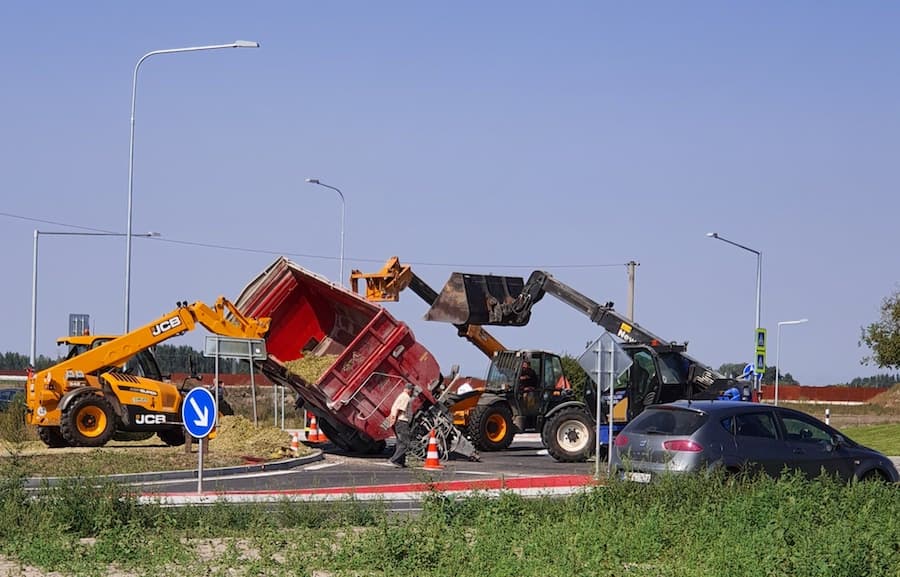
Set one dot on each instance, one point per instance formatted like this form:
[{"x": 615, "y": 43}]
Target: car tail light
[
  {"x": 683, "y": 445},
  {"x": 620, "y": 441}
]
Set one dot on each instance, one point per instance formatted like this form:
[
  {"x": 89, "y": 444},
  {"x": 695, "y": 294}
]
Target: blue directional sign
[
  {"x": 748, "y": 370},
  {"x": 198, "y": 412}
]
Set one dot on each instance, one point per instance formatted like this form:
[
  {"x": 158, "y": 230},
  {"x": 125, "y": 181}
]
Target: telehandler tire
[
  {"x": 569, "y": 435},
  {"x": 52, "y": 437},
  {"x": 173, "y": 437},
  {"x": 88, "y": 421},
  {"x": 491, "y": 427}
]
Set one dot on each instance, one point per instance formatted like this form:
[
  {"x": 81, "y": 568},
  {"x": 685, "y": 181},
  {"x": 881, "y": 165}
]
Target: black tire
[
  {"x": 875, "y": 476},
  {"x": 88, "y": 421},
  {"x": 491, "y": 427},
  {"x": 369, "y": 447},
  {"x": 173, "y": 437},
  {"x": 570, "y": 435},
  {"x": 334, "y": 436},
  {"x": 52, "y": 437}
]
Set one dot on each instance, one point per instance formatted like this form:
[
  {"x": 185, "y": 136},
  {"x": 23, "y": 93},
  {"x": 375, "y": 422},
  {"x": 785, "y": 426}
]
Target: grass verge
[
  {"x": 682, "y": 526},
  {"x": 884, "y": 437}
]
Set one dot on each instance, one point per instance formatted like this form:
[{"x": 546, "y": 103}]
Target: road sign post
[
  {"x": 604, "y": 361},
  {"x": 198, "y": 413},
  {"x": 242, "y": 349}
]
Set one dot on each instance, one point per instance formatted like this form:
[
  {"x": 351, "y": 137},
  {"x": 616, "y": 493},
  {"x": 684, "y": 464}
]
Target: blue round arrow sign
[{"x": 198, "y": 412}]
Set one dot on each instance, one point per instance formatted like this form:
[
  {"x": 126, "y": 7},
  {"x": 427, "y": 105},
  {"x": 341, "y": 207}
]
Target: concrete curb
[
  {"x": 187, "y": 475},
  {"x": 526, "y": 486}
]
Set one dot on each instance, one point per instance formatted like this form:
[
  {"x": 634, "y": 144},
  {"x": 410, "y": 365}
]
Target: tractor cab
[{"x": 533, "y": 381}]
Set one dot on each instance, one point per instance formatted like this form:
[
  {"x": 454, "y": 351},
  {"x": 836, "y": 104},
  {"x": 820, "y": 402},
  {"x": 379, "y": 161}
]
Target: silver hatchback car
[{"x": 689, "y": 436}]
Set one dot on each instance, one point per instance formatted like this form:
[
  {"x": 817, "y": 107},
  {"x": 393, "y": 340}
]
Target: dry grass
[{"x": 236, "y": 442}]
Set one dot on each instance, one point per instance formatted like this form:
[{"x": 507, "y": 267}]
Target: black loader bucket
[{"x": 477, "y": 299}]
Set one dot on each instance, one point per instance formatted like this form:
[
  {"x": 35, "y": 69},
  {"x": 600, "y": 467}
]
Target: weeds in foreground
[{"x": 682, "y": 526}]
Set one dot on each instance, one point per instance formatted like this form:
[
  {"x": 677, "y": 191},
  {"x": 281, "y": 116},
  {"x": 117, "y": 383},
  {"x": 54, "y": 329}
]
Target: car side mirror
[{"x": 838, "y": 441}]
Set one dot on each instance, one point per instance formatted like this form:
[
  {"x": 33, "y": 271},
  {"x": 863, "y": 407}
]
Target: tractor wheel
[
  {"x": 173, "y": 437},
  {"x": 569, "y": 435},
  {"x": 491, "y": 427},
  {"x": 89, "y": 421},
  {"x": 52, "y": 437}
]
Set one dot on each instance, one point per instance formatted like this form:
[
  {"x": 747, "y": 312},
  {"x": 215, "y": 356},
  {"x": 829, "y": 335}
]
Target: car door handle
[{"x": 798, "y": 451}]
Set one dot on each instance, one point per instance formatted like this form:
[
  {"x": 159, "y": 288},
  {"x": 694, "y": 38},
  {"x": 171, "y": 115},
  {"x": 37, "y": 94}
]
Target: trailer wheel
[
  {"x": 88, "y": 421},
  {"x": 173, "y": 437},
  {"x": 491, "y": 427},
  {"x": 570, "y": 435},
  {"x": 334, "y": 436},
  {"x": 52, "y": 437}
]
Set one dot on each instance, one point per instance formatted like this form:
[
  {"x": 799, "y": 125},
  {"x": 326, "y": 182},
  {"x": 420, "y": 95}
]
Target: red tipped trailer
[{"x": 376, "y": 355}]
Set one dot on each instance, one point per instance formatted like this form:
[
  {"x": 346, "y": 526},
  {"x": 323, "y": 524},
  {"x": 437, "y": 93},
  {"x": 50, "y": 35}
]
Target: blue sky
[{"x": 482, "y": 137}]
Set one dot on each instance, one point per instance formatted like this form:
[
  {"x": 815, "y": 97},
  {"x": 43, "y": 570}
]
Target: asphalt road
[{"x": 525, "y": 459}]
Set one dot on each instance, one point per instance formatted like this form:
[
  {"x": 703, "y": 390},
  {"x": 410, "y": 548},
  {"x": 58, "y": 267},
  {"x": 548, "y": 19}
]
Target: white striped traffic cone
[{"x": 432, "y": 459}]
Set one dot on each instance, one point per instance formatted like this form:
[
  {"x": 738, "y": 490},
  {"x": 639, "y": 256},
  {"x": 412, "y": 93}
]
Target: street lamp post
[
  {"x": 340, "y": 194},
  {"x": 128, "y": 235},
  {"x": 32, "y": 359},
  {"x": 758, "y": 291},
  {"x": 778, "y": 350}
]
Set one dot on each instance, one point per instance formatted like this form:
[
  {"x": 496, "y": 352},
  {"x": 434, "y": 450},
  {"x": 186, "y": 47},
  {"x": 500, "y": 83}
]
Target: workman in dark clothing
[
  {"x": 528, "y": 387},
  {"x": 528, "y": 379}
]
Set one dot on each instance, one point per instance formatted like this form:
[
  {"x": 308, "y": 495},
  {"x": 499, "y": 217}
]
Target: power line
[{"x": 323, "y": 257}]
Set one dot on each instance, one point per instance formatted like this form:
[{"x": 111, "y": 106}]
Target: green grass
[
  {"x": 884, "y": 438},
  {"x": 683, "y": 526}
]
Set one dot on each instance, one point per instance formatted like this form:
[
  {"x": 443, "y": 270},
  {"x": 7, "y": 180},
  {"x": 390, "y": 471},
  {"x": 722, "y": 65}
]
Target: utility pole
[{"x": 631, "y": 266}]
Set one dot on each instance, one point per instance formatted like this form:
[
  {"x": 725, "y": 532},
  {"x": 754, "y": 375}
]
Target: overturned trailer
[{"x": 374, "y": 355}]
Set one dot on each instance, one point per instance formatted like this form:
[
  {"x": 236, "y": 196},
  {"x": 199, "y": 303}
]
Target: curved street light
[
  {"x": 758, "y": 254},
  {"x": 340, "y": 194},
  {"x": 235, "y": 44}
]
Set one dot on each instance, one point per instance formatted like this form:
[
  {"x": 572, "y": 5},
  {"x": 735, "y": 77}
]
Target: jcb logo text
[
  {"x": 165, "y": 326},
  {"x": 150, "y": 419}
]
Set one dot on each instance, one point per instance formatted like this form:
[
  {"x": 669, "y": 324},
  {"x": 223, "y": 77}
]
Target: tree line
[{"x": 171, "y": 359}]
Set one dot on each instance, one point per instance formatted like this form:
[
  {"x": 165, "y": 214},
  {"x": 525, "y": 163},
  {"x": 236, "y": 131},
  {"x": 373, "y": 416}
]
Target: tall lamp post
[
  {"x": 34, "y": 277},
  {"x": 340, "y": 194},
  {"x": 778, "y": 349},
  {"x": 758, "y": 290},
  {"x": 235, "y": 44}
]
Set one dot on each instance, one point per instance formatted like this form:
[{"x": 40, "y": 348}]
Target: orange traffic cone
[
  {"x": 313, "y": 435},
  {"x": 295, "y": 443},
  {"x": 432, "y": 459}
]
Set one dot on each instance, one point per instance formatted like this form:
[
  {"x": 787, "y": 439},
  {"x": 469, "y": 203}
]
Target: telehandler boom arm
[
  {"x": 507, "y": 301},
  {"x": 386, "y": 285},
  {"x": 222, "y": 319}
]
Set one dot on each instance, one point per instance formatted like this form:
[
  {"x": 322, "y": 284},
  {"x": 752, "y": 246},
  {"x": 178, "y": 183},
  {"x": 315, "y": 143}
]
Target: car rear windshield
[{"x": 667, "y": 422}]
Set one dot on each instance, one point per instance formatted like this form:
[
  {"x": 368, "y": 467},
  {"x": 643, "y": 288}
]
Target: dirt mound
[
  {"x": 889, "y": 398},
  {"x": 237, "y": 435}
]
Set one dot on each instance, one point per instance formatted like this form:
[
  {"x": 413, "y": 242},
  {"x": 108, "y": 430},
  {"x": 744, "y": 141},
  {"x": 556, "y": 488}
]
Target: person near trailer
[{"x": 399, "y": 420}]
